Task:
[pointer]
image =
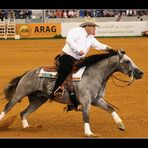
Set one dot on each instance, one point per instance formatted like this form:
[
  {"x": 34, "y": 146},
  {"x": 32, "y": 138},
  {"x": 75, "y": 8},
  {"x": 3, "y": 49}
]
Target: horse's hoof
[
  {"x": 121, "y": 126},
  {"x": 91, "y": 135},
  {"x": 1, "y": 116}
]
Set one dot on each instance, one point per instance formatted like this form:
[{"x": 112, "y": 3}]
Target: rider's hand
[
  {"x": 108, "y": 48},
  {"x": 81, "y": 53}
]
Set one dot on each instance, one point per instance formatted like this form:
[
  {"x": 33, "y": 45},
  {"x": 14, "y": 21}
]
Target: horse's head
[{"x": 127, "y": 66}]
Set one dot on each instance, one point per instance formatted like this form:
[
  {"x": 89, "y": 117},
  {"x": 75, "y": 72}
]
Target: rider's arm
[{"x": 99, "y": 46}]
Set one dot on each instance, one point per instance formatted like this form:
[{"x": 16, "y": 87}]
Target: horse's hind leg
[
  {"x": 20, "y": 92},
  {"x": 16, "y": 98},
  {"x": 35, "y": 103},
  {"x": 107, "y": 107}
]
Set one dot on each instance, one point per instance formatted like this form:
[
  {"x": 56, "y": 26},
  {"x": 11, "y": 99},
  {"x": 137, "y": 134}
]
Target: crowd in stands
[
  {"x": 74, "y": 13},
  {"x": 18, "y": 13}
]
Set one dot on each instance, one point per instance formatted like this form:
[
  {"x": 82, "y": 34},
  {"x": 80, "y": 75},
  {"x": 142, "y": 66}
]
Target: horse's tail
[{"x": 10, "y": 88}]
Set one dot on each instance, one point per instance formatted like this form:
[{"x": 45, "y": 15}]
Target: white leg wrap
[
  {"x": 2, "y": 114},
  {"x": 116, "y": 117},
  {"x": 25, "y": 123},
  {"x": 87, "y": 130}
]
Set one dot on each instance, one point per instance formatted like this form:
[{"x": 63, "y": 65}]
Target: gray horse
[{"x": 89, "y": 91}]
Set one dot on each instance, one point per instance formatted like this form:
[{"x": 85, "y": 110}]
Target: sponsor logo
[
  {"x": 45, "y": 29},
  {"x": 25, "y": 30}
]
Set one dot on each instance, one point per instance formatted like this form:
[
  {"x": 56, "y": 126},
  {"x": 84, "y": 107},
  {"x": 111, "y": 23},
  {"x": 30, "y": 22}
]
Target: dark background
[{"x": 73, "y": 4}]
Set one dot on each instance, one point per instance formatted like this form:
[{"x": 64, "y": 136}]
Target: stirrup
[{"x": 59, "y": 92}]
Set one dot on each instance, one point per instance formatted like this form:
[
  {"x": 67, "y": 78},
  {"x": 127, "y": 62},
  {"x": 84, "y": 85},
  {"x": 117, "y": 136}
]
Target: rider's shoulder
[{"x": 76, "y": 30}]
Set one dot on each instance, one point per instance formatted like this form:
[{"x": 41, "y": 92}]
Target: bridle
[{"x": 123, "y": 65}]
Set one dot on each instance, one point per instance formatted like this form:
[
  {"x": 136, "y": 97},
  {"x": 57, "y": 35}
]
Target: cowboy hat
[{"x": 89, "y": 22}]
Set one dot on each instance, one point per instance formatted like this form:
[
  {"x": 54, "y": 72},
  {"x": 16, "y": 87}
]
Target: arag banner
[{"x": 46, "y": 30}]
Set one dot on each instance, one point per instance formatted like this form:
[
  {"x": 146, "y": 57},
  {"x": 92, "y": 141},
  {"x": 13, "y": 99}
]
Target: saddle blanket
[{"x": 52, "y": 74}]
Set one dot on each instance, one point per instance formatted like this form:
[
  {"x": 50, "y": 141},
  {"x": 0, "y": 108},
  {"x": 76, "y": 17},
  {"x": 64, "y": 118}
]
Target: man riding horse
[{"x": 78, "y": 42}]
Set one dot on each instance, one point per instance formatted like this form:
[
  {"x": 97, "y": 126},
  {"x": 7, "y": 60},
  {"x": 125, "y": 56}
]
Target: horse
[{"x": 90, "y": 90}]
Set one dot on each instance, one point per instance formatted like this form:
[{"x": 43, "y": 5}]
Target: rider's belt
[{"x": 63, "y": 53}]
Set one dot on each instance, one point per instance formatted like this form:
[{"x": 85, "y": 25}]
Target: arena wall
[
  {"x": 106, "y": 29},
  {"x": 112, "y": 28}
]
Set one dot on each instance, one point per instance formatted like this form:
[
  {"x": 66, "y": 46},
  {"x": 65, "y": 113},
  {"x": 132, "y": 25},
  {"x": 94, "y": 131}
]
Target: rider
[{"x": 78, "y": 42}]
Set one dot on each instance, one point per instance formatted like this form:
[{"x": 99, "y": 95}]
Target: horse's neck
[{"x": 104, "y": 69}]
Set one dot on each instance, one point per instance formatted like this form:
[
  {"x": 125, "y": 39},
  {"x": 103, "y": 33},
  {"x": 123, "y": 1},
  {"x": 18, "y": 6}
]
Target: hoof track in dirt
[
  {"x": 33, "y": 128},
  {"x": 6, "y": 123}
]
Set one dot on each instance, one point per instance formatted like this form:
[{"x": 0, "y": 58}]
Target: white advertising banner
[
  {"x": 65, "y": 27},
  {"x": 112, "y": 28}
]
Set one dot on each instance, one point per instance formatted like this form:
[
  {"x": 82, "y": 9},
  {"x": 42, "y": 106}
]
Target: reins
[{"x": 124, "y": 81}]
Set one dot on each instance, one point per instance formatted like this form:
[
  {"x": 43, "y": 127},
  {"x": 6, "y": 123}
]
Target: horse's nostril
[{"x": 141, "y": 73}]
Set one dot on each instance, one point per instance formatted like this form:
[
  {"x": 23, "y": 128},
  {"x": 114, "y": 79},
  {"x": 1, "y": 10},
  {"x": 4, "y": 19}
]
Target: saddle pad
[{"x": 76, "y": 76}]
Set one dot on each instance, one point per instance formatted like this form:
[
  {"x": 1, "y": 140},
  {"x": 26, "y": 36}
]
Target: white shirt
[{"x": 78, "y": 39}]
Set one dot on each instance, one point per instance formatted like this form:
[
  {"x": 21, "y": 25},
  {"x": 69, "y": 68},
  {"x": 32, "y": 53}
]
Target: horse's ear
[{"x": 121, "y": 52}]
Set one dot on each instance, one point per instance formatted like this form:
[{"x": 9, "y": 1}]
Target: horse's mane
[{"x": 92, "y": 59}]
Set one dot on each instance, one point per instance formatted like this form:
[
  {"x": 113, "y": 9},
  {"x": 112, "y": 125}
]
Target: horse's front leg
[
  {"x": 100, "y": 102},
  {"x": 85, "y": 112}
]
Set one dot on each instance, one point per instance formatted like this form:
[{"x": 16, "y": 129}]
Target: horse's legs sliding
[
  {"x": 35, "y": 103},
  {"x": 107, "y": 107},
  {"x": 85, "y": 112},
  {"x": 10, "y": 104},
  {"x": 18, "y": 95}
]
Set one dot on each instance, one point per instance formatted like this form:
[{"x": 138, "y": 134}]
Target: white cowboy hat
[{"x": 89, "y": 22}]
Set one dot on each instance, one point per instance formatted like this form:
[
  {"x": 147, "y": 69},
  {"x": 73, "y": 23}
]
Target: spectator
[
  {"x": 81, "y": 13},
  {"x": 70, "y": 14},
  {"x": 48, "y": 13},
  {"x": 87, "y": 14},
  {"x": 11, "y": 15},
  {"x": 1, "y": 15},
  {"x": 28, "y": 14},
  {"x": 65, "y": 14},
  {"x": 118, "y": 17},
  {"x": 76, "y": 13}
]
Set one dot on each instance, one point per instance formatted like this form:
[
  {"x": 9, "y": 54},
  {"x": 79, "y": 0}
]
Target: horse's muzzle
[{"x": 138, "y": 74}]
